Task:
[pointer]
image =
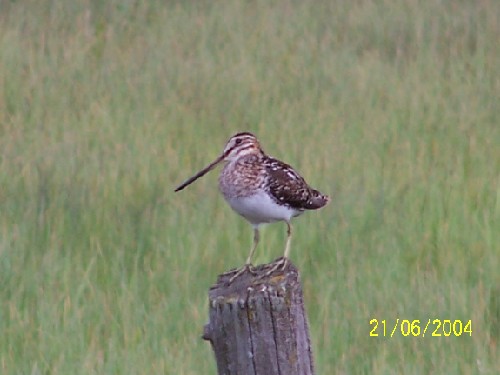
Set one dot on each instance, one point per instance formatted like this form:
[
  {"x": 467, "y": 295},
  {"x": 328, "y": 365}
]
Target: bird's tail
[{"x": 317, "y": 200}]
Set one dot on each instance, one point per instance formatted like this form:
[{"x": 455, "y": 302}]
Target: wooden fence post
[{"x": 258, "y": 325}]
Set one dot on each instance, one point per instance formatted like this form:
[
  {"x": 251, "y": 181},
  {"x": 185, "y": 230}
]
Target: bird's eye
[{"x": 238, "y": 141}]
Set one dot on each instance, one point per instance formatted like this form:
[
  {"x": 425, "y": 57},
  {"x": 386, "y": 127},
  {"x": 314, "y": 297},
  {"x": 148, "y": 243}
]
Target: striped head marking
[{"x": 239, "y": 145}]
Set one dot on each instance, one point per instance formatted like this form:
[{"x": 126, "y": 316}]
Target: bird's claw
[
  {"x": 280, "y": 264},
  {"x": 241, "y": 271}
]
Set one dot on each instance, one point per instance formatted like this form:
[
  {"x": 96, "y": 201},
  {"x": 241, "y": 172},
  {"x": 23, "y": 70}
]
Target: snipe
[{"x": 260, "y": 188}]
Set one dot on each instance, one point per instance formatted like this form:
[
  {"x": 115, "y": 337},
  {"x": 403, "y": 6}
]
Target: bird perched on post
[{"x": 260, "y": 188}]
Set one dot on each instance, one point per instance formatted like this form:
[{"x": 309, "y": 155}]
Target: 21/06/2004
[{"x": 416, "y": 328}]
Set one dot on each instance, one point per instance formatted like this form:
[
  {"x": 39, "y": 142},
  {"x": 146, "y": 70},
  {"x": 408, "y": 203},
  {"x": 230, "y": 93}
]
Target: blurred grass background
[{"x": 391, "y": 107}]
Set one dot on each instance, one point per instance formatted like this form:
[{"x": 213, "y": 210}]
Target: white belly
[{"x": 260, "y": 208}]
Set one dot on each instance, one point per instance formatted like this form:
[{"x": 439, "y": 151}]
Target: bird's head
[{"x": 239, "y": 145}]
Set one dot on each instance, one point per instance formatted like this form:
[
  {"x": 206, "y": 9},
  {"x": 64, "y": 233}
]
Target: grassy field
[{"x": 390, "y": 107}]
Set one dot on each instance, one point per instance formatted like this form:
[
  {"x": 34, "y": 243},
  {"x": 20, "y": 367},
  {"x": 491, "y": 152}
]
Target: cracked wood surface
[{"x": 258, "y": 325}]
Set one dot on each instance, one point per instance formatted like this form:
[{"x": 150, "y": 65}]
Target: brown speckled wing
[{"x": 289, "y": 188}]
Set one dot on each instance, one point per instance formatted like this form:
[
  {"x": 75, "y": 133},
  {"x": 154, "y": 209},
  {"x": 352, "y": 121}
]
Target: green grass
[{"x": 390, "y": 107}]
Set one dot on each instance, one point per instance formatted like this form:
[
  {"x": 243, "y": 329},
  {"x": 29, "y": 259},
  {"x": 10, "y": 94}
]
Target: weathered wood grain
[{"x": 258, "y": 325}]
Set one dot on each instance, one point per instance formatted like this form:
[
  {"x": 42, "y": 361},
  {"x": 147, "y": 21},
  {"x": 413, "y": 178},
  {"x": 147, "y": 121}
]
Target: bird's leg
[
  {"x": 248, "y": 263},
  {"x": 283, "y": 261},
  {"x": 254, "y": 246},
  {"x": 288, "y": 240}
]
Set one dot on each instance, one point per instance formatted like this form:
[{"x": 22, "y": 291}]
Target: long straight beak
[{"x": 201, "y": 173}]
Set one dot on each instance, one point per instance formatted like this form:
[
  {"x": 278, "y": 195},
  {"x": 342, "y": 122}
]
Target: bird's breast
[{"x": 241, "y": 178}]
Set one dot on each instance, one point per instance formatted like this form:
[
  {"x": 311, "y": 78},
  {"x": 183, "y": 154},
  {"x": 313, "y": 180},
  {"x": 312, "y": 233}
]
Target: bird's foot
[
  {"x": 280, "y": 264},
  {"x": 240, "y": 271}
]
